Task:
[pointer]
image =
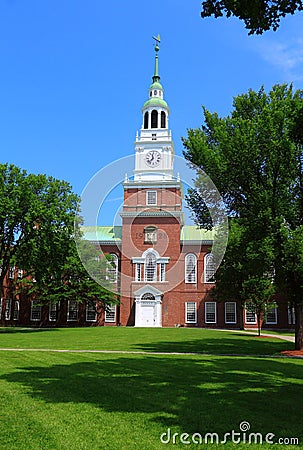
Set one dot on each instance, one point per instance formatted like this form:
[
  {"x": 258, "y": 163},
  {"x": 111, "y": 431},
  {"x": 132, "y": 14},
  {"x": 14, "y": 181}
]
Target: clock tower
[{"x": 152, "y": 215}]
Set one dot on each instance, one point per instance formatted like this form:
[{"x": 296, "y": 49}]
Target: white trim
[
  {"x": 231, "y": 312},
  {"x": 191, "y": 309},
  {"x": 35, "y": 311},
  {"x": 211, "y": 308},
  {"x": 72, "y": 311},
  {"x": 148, "y": 195},
  {"x": 8, "y": 309},
  {"x": 110, "y": 314},
  {"x": 16, "y": 311},
  {"x": 90, "y": 311},
  {"x": 254, "y": 321},
  {"x": 273, "y": 311},
  {"x": 190, "y": 275},
  {"x": 52, "y": 309},
  {"x": 209, "y": 268}
]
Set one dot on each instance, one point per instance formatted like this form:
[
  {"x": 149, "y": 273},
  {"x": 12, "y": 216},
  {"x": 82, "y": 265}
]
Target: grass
[
  {"x": 126, "y": 401},
  {"x": 188, "y": 340}
]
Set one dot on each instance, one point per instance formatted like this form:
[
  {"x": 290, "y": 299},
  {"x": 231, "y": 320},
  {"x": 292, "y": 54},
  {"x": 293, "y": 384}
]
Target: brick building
[{"x": 163, "y": 267}]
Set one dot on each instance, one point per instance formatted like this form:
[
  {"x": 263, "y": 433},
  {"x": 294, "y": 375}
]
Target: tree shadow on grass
[
  {"x": 16, "y": 330},
  {"x": 231, "y": 344},
  {"x": 190, "y": 393}
]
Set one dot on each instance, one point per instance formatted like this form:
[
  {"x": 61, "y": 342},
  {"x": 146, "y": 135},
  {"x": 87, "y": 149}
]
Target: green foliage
[
  {"x": 258, "y": 15},
  {"x": 36, "y": 222},
  {"x": 255, "y": 158}
]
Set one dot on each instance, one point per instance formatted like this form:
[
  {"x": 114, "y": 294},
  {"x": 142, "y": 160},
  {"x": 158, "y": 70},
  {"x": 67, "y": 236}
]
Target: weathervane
[{"x": 157, "y": 39}]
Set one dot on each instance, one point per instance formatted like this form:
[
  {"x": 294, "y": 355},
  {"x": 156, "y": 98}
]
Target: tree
[
  {"x": 36, "y": 222},
  {"x": 258, "y": 15},
  {"x": 254, "y": 157},
  {"x": 73, "y": 282}
]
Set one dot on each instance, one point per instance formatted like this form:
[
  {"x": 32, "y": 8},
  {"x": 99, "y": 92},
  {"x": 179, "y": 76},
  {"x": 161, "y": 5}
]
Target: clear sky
[{"x": 74, "y": 75}]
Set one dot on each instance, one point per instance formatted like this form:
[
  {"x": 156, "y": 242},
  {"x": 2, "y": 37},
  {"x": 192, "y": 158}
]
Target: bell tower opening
[{"x": 154, "y": 119}]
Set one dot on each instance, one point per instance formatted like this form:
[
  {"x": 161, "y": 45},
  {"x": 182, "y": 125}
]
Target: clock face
[{"x": 153, "y": 158}]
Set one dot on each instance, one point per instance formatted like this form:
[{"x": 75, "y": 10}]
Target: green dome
[
  {"x": 155, "y": 101},
  {"x": 156, "y": 85}
]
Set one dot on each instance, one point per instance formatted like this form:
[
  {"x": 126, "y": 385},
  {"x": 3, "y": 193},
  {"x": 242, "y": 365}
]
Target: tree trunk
[
  {"x": 259, "y": 321},
  {"x": 299, "y": 326}
]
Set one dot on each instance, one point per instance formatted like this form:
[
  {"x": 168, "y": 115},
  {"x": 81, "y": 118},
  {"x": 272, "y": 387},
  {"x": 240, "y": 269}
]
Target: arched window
[
  {"x": 190, "y": 268},
  {"x": 163, "y": 119},
  {"x": 112, "y": 269},
  {"x": 146, "y": 120},
  {"x": 154, "y": 119},
  {"x": 150, "y": 267},
  {"x": 148, "y": 296},
  {"x": 209, "y": 268}
]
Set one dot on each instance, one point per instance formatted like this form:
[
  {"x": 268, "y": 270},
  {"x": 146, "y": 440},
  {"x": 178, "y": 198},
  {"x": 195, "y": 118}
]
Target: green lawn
[{"x": 126, "y": 401}]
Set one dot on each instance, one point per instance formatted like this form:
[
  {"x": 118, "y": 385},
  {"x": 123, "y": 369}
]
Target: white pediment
[{"x": 148, "y": 289}]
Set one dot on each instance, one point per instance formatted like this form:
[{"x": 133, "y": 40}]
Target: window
[
  {"x": 91, "y": 313},
  {"x": 154, "y": 119},
  {"x": 190, "y": 312},
  {"x": 250, "y": 316},
  {"x": 8, "y": 308},
  {"x": 151, "y": 197},
  {"x": 190, "y": 268},
  {"x": 72, "y": 310},
  {"x": 148, "y": 297},
  {"x": 52, "y": 312},
  {"x": 230, "y": 312},
  {"x": 11, "y": 272},
  {"x": 110, "y": 313},
  {"x": 272, "y": 316},
  {"x": 210, "y": 312},
  {"x": 150, "y": 267},
  {"x": 209, "y": 268},
  {"x": 163, "y": 119},
  {"x": 35, "y": 311},
  {"x": 138, "y": 276},
  {"x": 112, "y": 269},
  {"x": 20, "y": 273},
  {"x": 162, "y": 272},
  {"x": 291, "y": 314},
  {"x": 16, "y": 310},
  {"x": 150, "y": 234},
  {"x": 146, "y": 120}
]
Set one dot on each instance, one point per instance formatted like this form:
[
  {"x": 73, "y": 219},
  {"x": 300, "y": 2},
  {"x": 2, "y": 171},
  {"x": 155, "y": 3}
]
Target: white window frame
[
  {"x": 162, "y": 271},
  {"x": 72, "y": 311},
  {"x": 8, "y": 309},
  {"x": 193, "y": 272},
  {"x": 291, "y": 313},
  {"x": 52, "y": 312},
  {"x": 147, "y": 270},
  {"x": 138, "y": 274},
  {"x": 110, "y": 314},
  {"x": 273, "y": 311},
  {"x": 20, "y": 274},
  {"x": 16, "y": 311},
  {"x": 211, "y": 308},
  {"x": 90, "y": 312},
  {"x": 232, "y": 305},
  {"x": 11, "y": 272},
  {"x": 209, "y": 269},
  {"x": 112, "y": 269},
  {"x": 249, "y": 319},
  {"x": 149, "y": 195},
  {"x": 191, "y": 312},
  {"x": 35, "y": 311}
]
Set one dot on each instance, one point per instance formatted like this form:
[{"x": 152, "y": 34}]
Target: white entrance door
[{"x": 147, "y": 315}]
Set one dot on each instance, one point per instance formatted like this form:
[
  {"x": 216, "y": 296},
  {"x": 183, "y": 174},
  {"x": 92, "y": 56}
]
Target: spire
[{"x": 156, "y": 77}]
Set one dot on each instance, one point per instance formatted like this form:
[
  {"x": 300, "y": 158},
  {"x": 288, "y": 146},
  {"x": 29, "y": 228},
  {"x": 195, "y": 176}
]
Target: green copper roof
[
  {"x": 192, "y": 233},
  {"x": 155, "y": 101},
  {"x": 156, "y": 85},
  {"x": 102, "y": 233},
  {"x": 114, "y": 234}
]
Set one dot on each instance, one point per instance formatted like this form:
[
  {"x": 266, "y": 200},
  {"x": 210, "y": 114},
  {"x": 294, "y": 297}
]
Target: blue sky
[{"x": 74, "y": 76}]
